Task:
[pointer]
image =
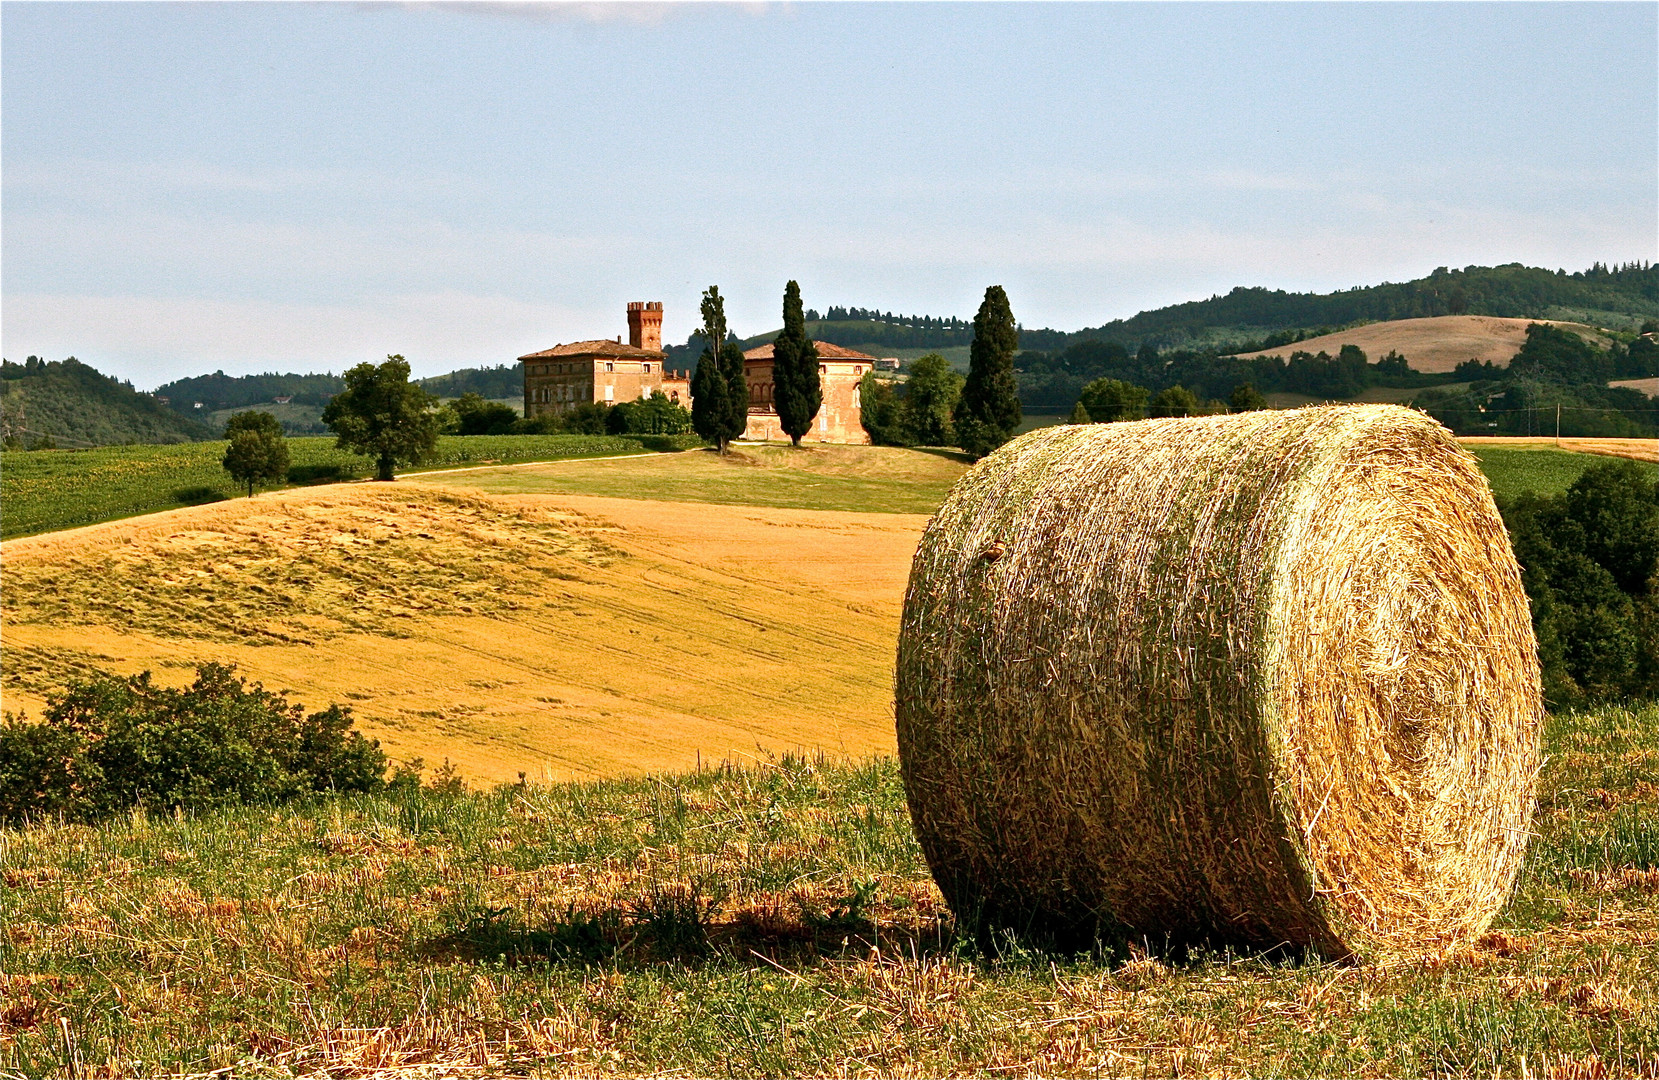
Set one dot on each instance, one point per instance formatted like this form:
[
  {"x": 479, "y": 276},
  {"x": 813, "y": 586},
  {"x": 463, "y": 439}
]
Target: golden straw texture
[{"x": 1264, "y": 679}]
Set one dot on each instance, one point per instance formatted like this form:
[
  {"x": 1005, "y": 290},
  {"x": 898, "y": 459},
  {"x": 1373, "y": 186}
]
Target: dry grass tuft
[{"x": 1265, "y": 680}]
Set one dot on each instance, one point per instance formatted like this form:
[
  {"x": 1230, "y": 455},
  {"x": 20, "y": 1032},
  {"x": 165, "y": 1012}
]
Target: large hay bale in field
[{"x": 1265, "y": 679}]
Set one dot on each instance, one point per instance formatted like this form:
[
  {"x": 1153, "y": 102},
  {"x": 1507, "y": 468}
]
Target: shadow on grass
[
  {"x": 674, "y": 924},
  {"x": 198, "y": 496},
  {"x": 307, "y": 475}
]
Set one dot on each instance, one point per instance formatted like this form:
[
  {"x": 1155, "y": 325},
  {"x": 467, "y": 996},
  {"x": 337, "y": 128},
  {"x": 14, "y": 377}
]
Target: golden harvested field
[
  {"x": 1436, "y": 344},
  {"x": 1638, "y": 449},
  {"x": 1650, "y": 387},
  {"x": 558, "y": 635}
]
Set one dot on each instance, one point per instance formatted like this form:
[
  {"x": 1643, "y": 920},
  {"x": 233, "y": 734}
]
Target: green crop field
[
  {"x": 44, "y": 490},
  {"x": 764, "y": 920},
  {"x": 1512, "y": 471}
]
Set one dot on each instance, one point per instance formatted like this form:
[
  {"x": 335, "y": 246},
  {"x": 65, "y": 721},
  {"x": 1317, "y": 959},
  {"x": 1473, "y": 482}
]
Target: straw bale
[{"x": 1260, "y": 680}]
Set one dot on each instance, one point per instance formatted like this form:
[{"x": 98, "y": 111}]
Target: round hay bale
[{"x": 1258, "y": 680}]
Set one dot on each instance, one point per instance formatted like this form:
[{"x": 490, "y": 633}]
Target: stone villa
[
  {"x": 839, "y": 420},
  {"x": 557, "y": 380}
]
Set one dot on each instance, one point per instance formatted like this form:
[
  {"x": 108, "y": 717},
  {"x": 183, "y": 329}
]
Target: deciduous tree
[
  {"x": 930, "y": 396},
  {"x": 797, "y": 390},
  {"x": 258, "y": 451},
  {"x": 383, "y": 415}
]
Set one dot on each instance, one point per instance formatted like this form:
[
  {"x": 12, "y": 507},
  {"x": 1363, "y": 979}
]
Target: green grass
[
  {"x": 762, "y": 920},
  {"x": 43, "y": 490},
  {"x": 1514, "y": 470},
  {"x": 860, "y": 479}
]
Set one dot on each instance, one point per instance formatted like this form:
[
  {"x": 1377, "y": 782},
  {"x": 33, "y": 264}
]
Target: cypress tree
[
  {"x": 797, "y": 389},
  {"x": 989, "y": 409},
  {"x": 719, "y": 392}
]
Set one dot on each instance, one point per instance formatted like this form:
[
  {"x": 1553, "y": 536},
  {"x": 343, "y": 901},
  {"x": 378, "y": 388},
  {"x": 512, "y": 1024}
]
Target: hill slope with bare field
[
  {"x": 557, "y": 635},
  {"x": 1434, "y": 345}
]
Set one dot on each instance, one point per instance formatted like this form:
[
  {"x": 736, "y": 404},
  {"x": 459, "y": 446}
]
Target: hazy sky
[{"x": 302, "y": 187}]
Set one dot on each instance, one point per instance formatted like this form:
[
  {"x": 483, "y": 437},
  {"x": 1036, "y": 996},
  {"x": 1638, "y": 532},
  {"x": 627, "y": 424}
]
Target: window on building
[
  {"x": 609, "y": 366},
  {"x": 823, "y": 421},
  {"x": 822, "y": 370},
  {"x": 610, "y": 393},
  {"x": 647, "y": 368},
  {"x": 858, "y": 369}
]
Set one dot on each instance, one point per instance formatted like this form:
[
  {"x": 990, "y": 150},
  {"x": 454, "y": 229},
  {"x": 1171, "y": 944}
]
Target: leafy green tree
[
  {"x": 1110, "y": 400},
  {"x": 1175, "y": 401},
  {"x": 989, "y": 409},
  {"x": 797, "y": 389},
  {"x": 930, "y": 397},
  {"x": 479, "y": 416},
  {"x": 1079, "y": 415},
  {"x": 719, "y": 392},
  {"x": 655, "y": 415},
  {"x": 880, "y": 412},
  {"x": 1589, "y": 560},
  {"x": 1246, "y": 398},
  {"x": 258, "y": 451},
  {"x": 383, "y": 415}
]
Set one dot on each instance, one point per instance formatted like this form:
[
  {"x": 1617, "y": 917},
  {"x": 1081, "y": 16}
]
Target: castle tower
[{"x": 645, "y": 325}]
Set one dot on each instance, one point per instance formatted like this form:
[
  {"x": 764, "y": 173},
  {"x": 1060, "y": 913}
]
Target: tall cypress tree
[
  {"x": 719, "y": 392},
  {"x": 796, "y": 388},
  {"x": 989, "y": 409}
]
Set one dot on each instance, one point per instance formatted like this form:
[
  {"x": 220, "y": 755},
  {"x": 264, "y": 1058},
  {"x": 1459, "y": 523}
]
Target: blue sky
[{"x": 254, "y": 186}]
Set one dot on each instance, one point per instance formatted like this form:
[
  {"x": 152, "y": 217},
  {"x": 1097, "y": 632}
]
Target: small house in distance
[
  {"x": 840, "y": 420},
  {"x": 557, "y": 380}
]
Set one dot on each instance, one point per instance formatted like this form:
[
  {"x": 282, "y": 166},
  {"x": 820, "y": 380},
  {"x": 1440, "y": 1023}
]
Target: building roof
[
  {"x": 826, "y": 351},
  {"x": 596, "y": 348}
]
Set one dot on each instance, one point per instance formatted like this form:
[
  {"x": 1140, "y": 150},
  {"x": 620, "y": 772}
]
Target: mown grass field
[
  {"x": 856, "y": 479},
  {"x": 770, "y": 919},
  {"x": 562, "y": 636},
  {"x": 44, "y": 490}
]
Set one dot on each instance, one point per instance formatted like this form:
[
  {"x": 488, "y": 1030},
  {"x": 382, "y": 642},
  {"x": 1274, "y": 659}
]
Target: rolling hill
[
  {"x": 74, "y": 405},
  {"x": 1435, "y": 345}
]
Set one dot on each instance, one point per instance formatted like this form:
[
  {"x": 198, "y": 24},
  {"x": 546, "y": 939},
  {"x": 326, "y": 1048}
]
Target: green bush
[
  {"x": 108, "y": 744},
  {"x": 1588, "y": 559}
]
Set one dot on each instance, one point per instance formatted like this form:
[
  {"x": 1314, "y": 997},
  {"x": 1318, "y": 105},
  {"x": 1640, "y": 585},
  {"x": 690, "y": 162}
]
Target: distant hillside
[
  {"x": 1257, "y": 319},
  {"x": 74, "y": 405},
  {"x": 1435, "y": 345},
  {"x": 1248, "y": 319},
  {"x": 219, "y": 391},
  {"x": 213, "y": 398}
]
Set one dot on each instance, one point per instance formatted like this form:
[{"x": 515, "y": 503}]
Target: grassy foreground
[
  {"x": 769, "y": 919},
  {"x": 45, "y": 490}
]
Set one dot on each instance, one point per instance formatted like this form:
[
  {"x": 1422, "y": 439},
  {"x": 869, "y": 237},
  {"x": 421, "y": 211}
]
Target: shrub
[{"x": 110, "y": 743}]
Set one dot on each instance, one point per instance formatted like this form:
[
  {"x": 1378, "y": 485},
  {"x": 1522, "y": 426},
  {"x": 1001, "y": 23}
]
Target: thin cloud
[{"x": 627, "y": 12}]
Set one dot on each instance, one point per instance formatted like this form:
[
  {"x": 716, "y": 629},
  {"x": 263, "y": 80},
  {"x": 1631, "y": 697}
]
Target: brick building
[
  {"x": 557, "y": 380},
  {"x": 839, "y": 420}
]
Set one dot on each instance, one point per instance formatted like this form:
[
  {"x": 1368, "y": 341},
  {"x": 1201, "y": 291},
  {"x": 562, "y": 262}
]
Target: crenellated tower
[{"x": 645, "y": 324}]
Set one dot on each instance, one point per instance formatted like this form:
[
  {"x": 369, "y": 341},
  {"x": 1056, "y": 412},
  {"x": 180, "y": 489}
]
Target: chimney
[{"x": 645, "y": 325}]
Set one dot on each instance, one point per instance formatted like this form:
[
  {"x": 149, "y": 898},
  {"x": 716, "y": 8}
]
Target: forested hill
[
  {"x": 1621, "y": 298},
  {"x": 70, "y": 404},
  {"x": 220, "y": 391}
]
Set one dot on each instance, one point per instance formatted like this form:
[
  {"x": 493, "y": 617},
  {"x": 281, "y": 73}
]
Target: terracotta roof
[
  {"x": 826, "y": 351},
  {"x": 595, "y": 348}
]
